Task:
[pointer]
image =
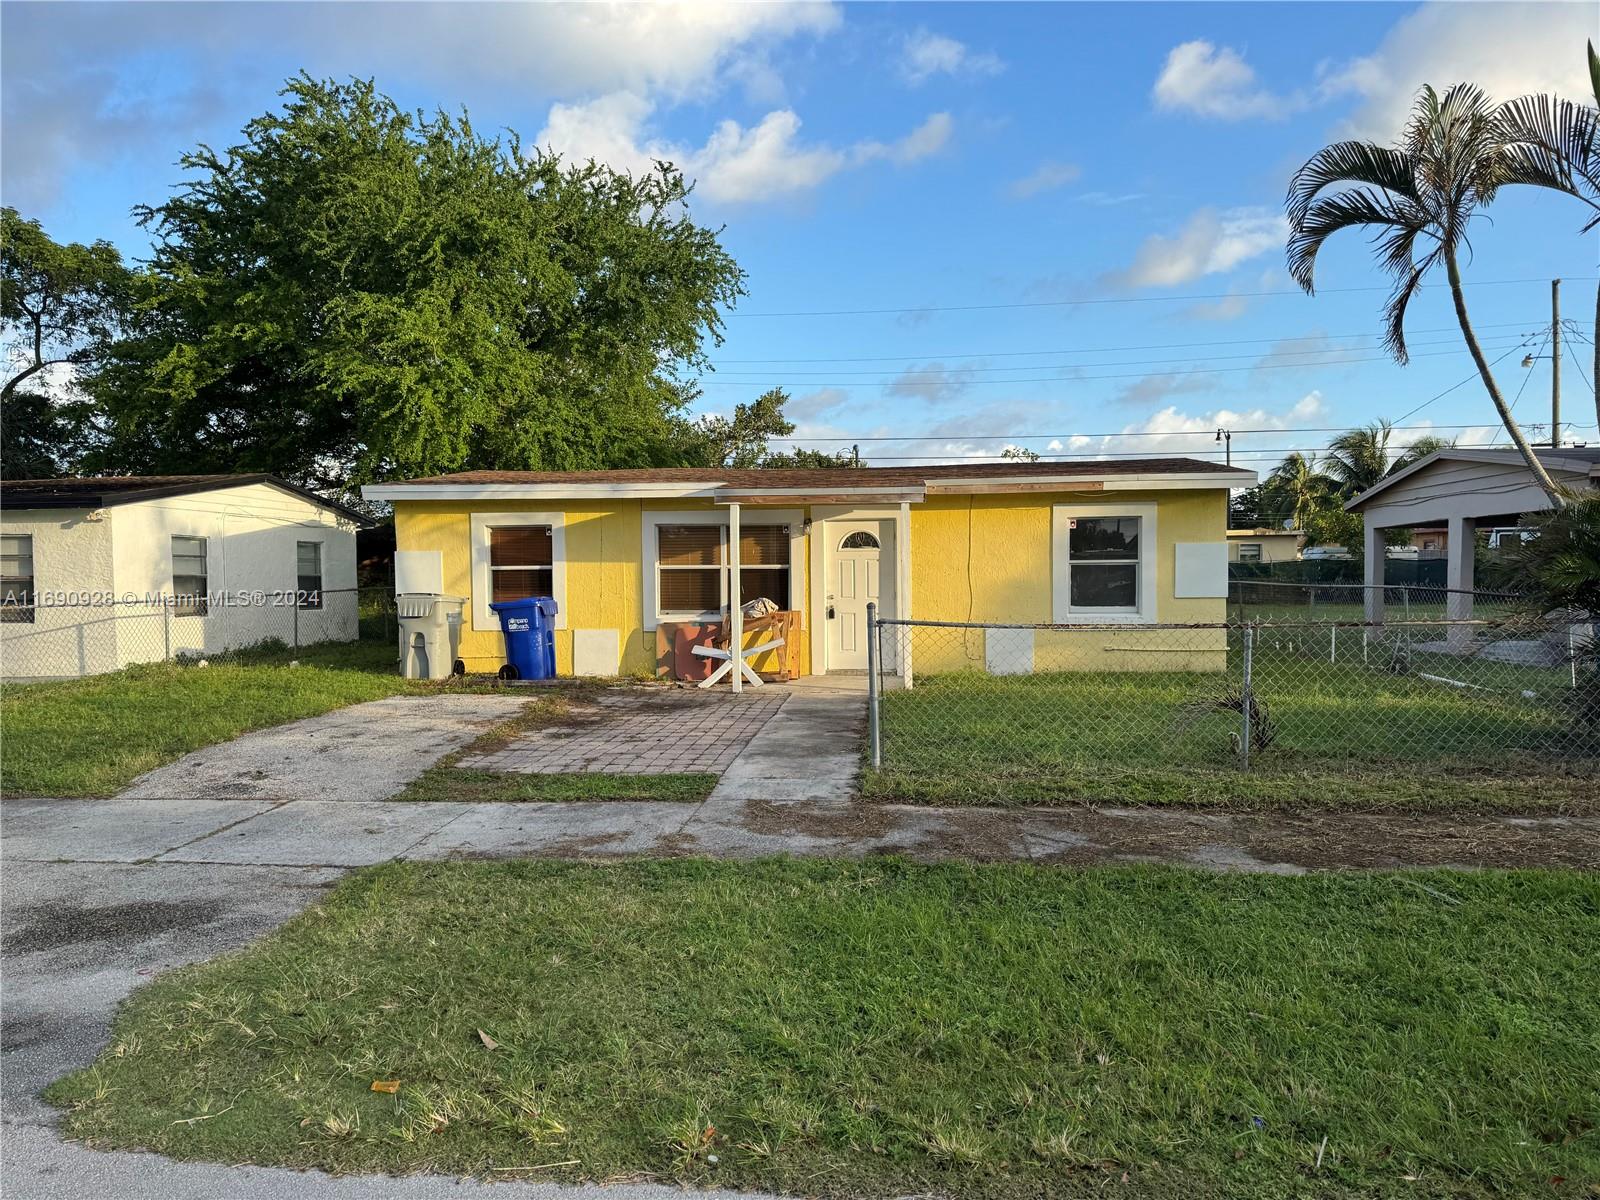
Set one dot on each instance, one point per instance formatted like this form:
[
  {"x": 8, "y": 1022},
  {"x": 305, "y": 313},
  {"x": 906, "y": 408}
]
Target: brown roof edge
[
  {"x": 835, "y": 477},
  {"x": 105, "y": 491}
]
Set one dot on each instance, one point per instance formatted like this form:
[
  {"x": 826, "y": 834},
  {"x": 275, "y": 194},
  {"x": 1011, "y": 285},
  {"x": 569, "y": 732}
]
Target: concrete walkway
[
  {"x": 364, "y": 752},
  {"x": 809, "y": 750}
]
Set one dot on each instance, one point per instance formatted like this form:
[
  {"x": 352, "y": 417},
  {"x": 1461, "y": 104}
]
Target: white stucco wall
[
  {"x": 70, "y": 634},
  {"x": 251, "y": 533},
  {"x": 124, "y": 558}
]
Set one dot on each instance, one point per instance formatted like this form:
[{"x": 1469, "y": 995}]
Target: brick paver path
[{"x": 670, "y": 733}]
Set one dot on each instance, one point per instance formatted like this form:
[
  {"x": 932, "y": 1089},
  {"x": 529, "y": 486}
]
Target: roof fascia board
[
  {"x": 537, "y": 491},
  {"x": 1499, "y": 454}
]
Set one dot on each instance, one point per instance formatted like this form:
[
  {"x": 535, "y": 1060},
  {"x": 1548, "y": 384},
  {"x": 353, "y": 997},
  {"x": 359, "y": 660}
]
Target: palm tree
[
  {"x": 1297, "y": 482},
  {"x": 1358, "y": 459},
  {"x": 1554, "y": 138},
  {"x": 1420, "y": 195},
  {"x": 1419, "y": 450}
]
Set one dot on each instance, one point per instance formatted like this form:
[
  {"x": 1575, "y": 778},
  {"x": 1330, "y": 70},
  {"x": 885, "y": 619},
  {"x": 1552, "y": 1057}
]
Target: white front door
[{"x": 855, "y": 577}]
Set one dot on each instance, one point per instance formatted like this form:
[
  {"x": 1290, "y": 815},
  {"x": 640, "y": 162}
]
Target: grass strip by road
[
  {"x": 883, "y": 1028},
  {"x": 460, "y": 784},
  {"x": 94, "y": 736}
]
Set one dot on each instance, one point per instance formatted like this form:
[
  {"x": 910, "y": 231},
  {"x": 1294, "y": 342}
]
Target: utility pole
[
  {"x": 1555, "y": 363},
  {"x": 855, "y": 456},
  {"x": 1225, "y": 436}
]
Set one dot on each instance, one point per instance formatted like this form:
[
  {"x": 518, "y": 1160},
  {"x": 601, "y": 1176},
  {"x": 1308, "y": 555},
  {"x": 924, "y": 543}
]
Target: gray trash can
[{"x": 430, "y": 634}]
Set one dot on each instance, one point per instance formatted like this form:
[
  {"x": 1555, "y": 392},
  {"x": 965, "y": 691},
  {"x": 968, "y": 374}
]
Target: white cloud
[
  {"x": 1046, "y": 177},
  {"x": 933, "y": 381},
  {"x": 1506, "y": 49},
  {"x": 1109, "y": 199},
  {"x": 1215, "y": 81},
  {"x": 922, "y": 142},
  {"x": 927, "y": 54},
  {"x": 1171, "y": 431},
  {"x": 807, "y": 408},
  {"x": 77, "y": 88},
  {"x": 1208, "y": 244},
  {"x": 736, "y": 165}
]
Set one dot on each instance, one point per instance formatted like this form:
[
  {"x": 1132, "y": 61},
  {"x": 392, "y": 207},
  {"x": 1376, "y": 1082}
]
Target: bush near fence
[{"x": 1172, "y": 713}]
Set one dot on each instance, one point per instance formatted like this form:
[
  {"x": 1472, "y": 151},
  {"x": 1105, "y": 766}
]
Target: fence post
[
  {"x": 166, "y": 629},
  {"x": 874, "y": 654},
  {"x": 294, "y": 602},
  {"x": 1249, "y": 653}
]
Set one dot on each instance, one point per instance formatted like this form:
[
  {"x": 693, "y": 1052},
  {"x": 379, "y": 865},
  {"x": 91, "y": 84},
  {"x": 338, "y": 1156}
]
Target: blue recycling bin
[{"x": 530, "y": 629}]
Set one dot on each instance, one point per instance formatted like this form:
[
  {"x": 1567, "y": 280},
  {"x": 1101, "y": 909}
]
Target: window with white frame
[
  {"x": 692, "y": 567},
  {"x": 1103, "y": 564},
  {"x": 521, "y": 562},
  {"x": 1103, "y": 561},
  {"x": 308, "y": 574},
  {"x": 189, "y": 582},
  {"x": 1249, "y": 551},
  {"x": 16, "y": 578}
]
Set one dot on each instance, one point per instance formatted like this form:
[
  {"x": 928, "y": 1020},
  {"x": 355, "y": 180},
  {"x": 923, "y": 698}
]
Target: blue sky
[{"x": 1067, "y": 214}]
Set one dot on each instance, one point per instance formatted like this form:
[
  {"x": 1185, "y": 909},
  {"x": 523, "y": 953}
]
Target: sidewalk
[{"x": 352, "y": 833}]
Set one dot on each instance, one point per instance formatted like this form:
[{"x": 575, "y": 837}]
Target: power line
[
  {"x": 910, "y": 375},
  {"x": 932, "y": 308},
  {"x": 1527, "y": 375},
  {"x": 1461, "y": 383},
  {"x": 1577, "y": 362},
  {"x": 1208, "y": 432},
  {"x": 1307, "y": 337},
  {"x": 1260, "y": 366}
]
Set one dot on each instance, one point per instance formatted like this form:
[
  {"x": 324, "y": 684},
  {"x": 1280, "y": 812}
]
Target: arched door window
[{"x": 859, "y": 540}]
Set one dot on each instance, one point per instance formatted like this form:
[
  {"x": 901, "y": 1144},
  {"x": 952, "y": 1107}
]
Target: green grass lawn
[
  {"x": 93, "y": 736},
  {"x": 458, "y": 784},
  {"x": 881, "y": 1028},
  {"x": 1346, "y": 735}
]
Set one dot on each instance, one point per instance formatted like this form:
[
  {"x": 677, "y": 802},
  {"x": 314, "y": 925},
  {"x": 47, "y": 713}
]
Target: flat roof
[
  {"x": 841, "y": 477},
  {"x": 820, "y": 485}
]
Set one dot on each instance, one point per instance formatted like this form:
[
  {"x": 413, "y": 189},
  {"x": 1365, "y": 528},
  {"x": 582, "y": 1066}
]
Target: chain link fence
[
  {"x": 1036, "y": 710},
  {"x": 1273, "y": 602},
  {"x": 76, "y": 636}
]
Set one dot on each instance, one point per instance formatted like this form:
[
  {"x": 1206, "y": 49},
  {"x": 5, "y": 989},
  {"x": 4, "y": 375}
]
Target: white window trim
[
  {"x": 792, "y": 517},
  {"x": 484, "y": 618},
  {"x": 1061, "y": 610}
]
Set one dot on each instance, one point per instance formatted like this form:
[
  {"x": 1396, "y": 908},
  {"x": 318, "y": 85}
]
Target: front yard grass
[
  {"x": 461, "y": 784},
  {"x": 1346, "y": 738},
  {"x": 94, "y": 736},
  {"x": 882, "y": 1028}
]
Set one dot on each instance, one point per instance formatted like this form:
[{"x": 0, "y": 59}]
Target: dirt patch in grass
[
  {"x": 879, "y": 1028},
  {"x": 1311, "y": 841}
]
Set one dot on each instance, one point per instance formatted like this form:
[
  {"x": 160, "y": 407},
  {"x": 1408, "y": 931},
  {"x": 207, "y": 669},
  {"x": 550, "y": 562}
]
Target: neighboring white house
[{"x": 96, "y": 574}]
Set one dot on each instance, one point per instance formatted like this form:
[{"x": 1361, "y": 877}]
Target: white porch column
[
  {"x": 736, "y": 618},
  {"x": 902, "y": 562},
  {"x": 1372, "y": 554},
  {"x": 1460, "y": 555}
]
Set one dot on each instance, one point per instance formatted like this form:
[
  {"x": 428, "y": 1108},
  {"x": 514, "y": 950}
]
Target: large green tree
[
  {"x": 744, "y": 439},
  {"x": 355, "y": 291}
]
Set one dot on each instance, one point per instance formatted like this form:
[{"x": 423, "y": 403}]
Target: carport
[{"x": 1465, "y": 490}]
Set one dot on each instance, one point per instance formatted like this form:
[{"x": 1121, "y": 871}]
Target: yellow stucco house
[{"x": 1111, "y": 543}]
